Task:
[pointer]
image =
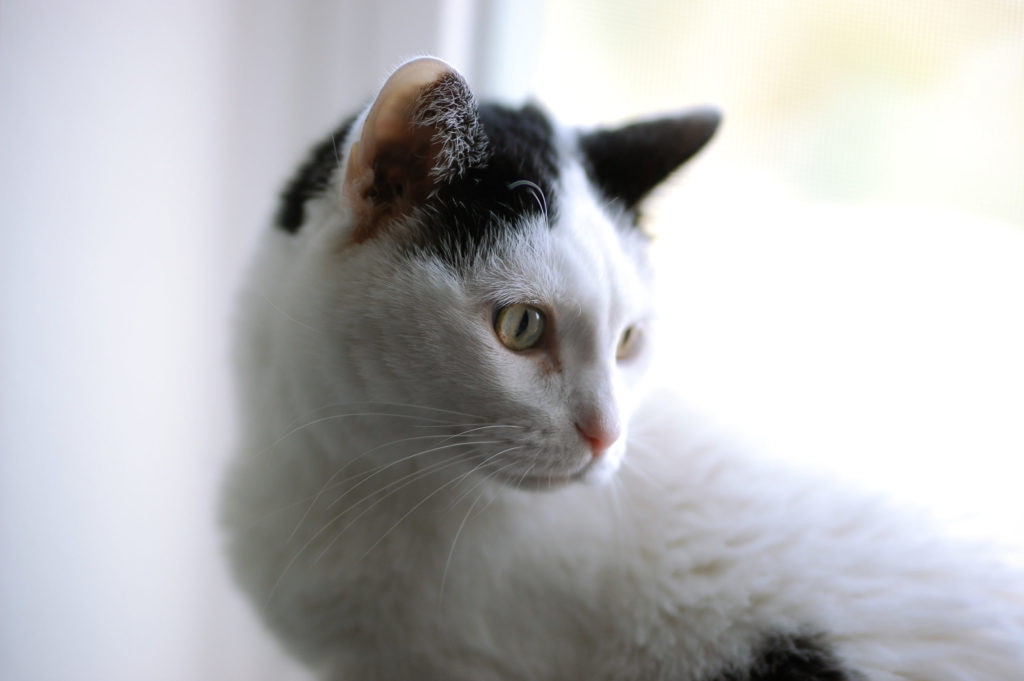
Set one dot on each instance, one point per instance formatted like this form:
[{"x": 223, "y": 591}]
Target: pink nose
[{"x": 598, "y": 436}]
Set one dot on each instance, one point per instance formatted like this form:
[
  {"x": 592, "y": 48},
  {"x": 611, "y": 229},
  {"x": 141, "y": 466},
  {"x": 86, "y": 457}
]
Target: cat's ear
[
  {"x": 627, "y": 163},
  {"x": 420, "y": 133}
]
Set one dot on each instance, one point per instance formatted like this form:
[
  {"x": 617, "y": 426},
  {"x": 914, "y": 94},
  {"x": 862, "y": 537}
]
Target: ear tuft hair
[{"x": 448, "y": 108}]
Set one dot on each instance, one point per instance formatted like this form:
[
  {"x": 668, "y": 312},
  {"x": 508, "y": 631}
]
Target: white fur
[{"x": 424, "y": 569}]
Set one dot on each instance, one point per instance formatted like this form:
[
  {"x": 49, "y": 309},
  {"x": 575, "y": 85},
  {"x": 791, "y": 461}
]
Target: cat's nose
[{"x": 599, "y": 434}]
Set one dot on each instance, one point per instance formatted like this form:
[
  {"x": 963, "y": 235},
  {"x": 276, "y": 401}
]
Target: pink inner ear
[
  {"x": 390, "y": 163},
  {"x": 390, "y": 117}
]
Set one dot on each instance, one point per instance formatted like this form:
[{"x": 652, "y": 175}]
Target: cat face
[
  {"x": 571, "y": 392},
  {"x": 479, "y": 263},
  {"x": 540, "y": 343}
]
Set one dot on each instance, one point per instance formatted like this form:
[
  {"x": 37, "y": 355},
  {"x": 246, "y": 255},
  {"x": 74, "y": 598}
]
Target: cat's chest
[
  {"x": 458, "y": 556},
  {"x": 567, "y": 583},
  {"x": 494, "y": 587}
]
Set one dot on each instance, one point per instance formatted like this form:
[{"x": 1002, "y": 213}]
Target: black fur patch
[
  {"x": 794, "y": 658},
  {"x": 465, "y": 218},
  {"x": 311, "y": 178},
  {"x": 461, "y": 218}
]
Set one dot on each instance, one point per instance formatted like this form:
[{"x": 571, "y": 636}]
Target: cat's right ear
[{"x": 421, "y": 132}]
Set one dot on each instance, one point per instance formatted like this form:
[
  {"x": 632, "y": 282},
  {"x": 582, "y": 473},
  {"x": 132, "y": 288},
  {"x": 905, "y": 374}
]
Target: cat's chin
[
  {"x": 594, "y": 473},
  {"x": 546, "y": 482}
]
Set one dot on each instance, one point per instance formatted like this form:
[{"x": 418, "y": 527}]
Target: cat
[{"x": 457, "y": 461}]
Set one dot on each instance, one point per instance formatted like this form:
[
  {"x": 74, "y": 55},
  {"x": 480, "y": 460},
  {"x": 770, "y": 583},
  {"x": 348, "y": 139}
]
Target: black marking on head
[
  {"x": 799, "y": 657},
  {"x": 312, "y": 177},
  {"x": 467, "y": 213},
  {"x": 467, "y": 216},
  {"x": 627, "y": 163}
]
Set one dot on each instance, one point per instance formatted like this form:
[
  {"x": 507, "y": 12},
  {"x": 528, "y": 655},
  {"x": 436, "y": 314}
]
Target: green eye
[
  {"x": 519, "y": 326},
  {"x": 629, "y": 342}
]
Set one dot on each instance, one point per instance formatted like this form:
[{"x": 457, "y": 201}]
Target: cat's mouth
[{"x": 543, "y": 481}]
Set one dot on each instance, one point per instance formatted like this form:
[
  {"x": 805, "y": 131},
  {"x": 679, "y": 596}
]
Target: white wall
[{"x": 141, "y": 147}]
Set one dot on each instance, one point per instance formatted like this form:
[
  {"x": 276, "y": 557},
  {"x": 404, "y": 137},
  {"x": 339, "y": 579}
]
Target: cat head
[{"x": 479, "y": 269}]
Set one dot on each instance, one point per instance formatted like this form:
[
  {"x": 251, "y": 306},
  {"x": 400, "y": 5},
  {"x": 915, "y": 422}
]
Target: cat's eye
[
  {"x": 629, "y": 342},
  {"x": 519, "y": 326}
]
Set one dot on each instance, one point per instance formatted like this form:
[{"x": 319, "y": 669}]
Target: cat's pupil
[
  {"x": 628, "y": 343},
  {"x": 524, "y": 320}
]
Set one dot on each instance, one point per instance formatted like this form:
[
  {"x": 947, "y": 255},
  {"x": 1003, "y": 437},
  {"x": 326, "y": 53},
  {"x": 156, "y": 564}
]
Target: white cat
[{"x": 456, "y": 466}]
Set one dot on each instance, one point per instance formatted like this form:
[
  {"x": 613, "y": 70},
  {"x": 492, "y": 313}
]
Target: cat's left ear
[
  {"x": 421, "y": 132},
  {"x": 627, "y": 163}
]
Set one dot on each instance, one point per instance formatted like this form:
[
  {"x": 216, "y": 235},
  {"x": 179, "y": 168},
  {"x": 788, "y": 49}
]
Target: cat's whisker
[
  {"x": 614, "y": 489},
  {"x": 471, "y": 432},
  {"x": 380, "y": 469},
  {"x": 428, "y": 408},
  {"x": 419, "y": 474},
  {"x": 284, "y": 313},
  {"x": 538, "y": 194},
  {"x": 269, "y": 448},
  {"x": 462, "y": 525},
  {"x": 455, "y": 540},
  {"x": 394, "y": 484},
  {"x": 442, "y": 487},
  {"x": 330, "y": 482},
  {"x": 440, "y": 436},
  {"x": 377, "y": 404},
  {"x": 415, "y": 477},
  {"x": 462, "y": 425},
  {"x": 636, "y": 442},
  {"x": 640, "y": 473},
  {"x": 376, "y": 407},
  {"x": 334, "y": 148},
  {"x": 479, "y": 466},
  {"x": 526, "y": 473},
  {"x": 402, "y": 481}
]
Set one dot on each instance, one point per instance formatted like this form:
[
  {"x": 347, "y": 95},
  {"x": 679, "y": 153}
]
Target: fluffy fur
[{"x": 413, "y": 500}]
